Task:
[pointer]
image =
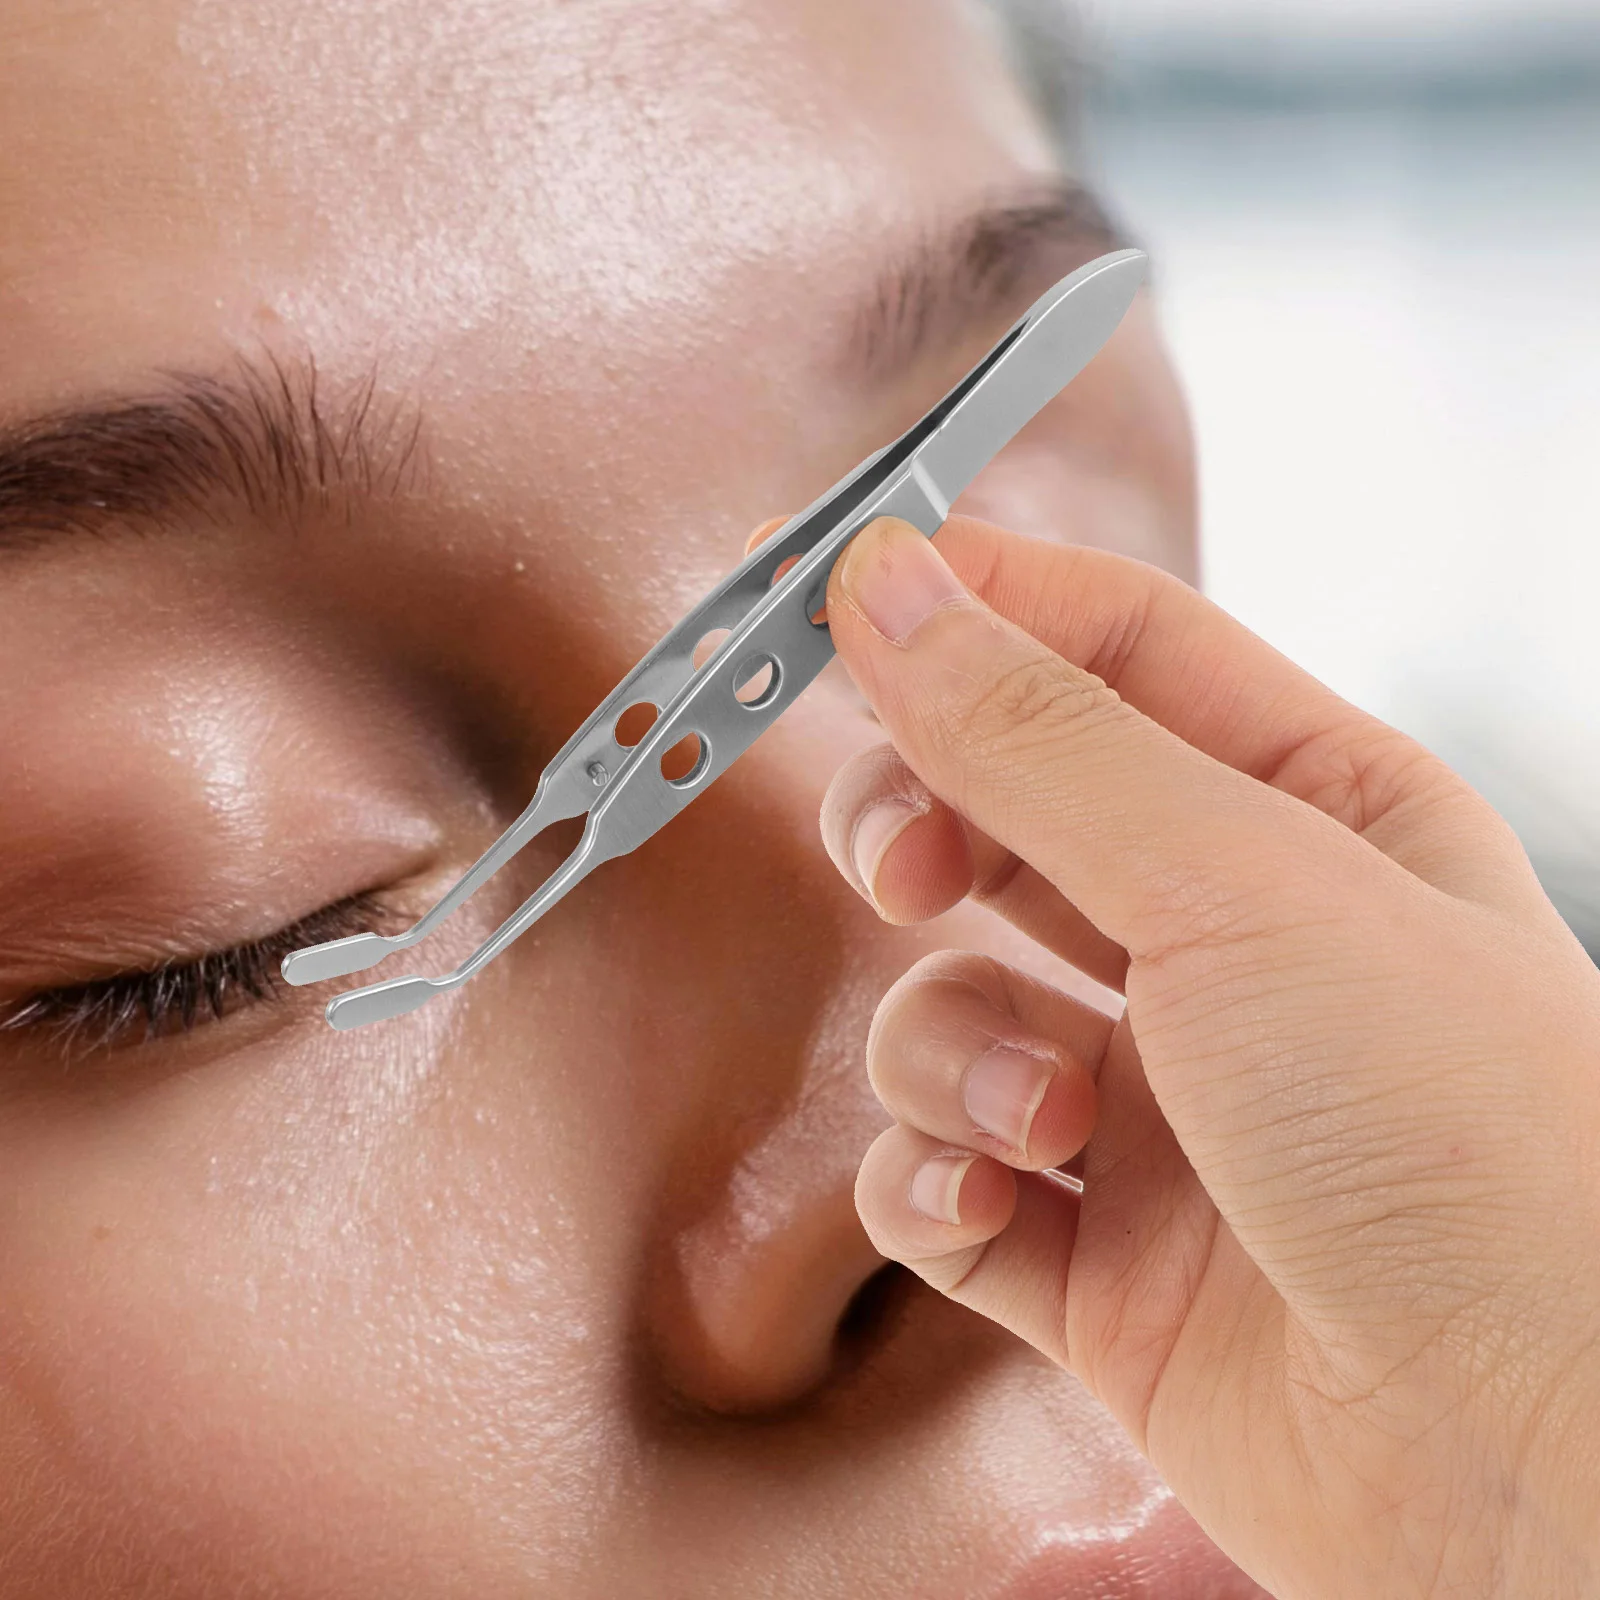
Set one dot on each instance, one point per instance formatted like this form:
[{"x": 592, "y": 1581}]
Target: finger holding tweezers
[{"x": 774, "y": 649}]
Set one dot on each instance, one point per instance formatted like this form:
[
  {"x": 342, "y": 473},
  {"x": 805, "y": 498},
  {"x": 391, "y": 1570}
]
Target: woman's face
[{"x": 378, "y": 380}]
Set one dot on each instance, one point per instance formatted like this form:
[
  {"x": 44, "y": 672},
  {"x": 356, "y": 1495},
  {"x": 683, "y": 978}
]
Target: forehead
[{"x": 465, "y": 187}]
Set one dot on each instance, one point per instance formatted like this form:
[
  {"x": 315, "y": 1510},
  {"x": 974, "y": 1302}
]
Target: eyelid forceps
[{"x": 773, "y": 651}]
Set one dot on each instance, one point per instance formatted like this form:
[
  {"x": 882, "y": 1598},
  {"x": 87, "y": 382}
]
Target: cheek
[{"x": 255, "y": 1316}]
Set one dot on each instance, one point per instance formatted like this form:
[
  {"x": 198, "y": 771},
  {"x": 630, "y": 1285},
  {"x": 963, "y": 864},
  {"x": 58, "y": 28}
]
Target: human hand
[{"x": 1334, "y": 1264}]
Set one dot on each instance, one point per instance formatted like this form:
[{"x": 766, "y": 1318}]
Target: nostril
[{"x": 870, "y": 1316}]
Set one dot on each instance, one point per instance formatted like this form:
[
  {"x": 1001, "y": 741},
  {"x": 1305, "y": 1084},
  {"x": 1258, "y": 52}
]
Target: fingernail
[
  {"x": 936, "y": 1187},
  {"x": 1002, "y": 1091},
  {"x": 874, "y": 833},
  {"x": 896, "y": 577}
]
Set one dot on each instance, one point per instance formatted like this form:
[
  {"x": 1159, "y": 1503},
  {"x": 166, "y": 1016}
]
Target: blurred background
[{"x": 1376, "y": 234}]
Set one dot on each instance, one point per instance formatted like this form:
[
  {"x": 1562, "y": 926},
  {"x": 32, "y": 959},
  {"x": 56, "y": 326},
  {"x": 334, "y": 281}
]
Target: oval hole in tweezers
[
  {"x": 707, "y": 647},
  {"x": 635, "y": 723},
  {"x": 816, "y": 612},
  {"x": 756, "y": 682},
  {"x": 694, "y": 748}
]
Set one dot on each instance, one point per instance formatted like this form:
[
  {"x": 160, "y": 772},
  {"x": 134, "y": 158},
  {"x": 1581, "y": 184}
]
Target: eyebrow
[
  {"x": 269, "y": 434},
  {"x": 936, "y": 291},
  {"x": 266, "y": 433}
]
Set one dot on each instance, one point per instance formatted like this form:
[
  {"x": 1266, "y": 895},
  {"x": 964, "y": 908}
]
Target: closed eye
[{"x": 179, "y": 995}]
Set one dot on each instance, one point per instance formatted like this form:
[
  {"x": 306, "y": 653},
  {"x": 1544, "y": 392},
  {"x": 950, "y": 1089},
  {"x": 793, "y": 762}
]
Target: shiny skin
[{"x": 537, "y": 1291}]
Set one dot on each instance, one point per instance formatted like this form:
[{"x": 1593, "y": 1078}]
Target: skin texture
[
  {"x": 542, "y": 1290},
  {"x": 1330, "y": 1259}
]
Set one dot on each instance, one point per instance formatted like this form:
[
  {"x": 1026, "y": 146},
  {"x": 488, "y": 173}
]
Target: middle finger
[
  {"x": 913, "y": 857},
  {"x": 977, "y": 1054}
]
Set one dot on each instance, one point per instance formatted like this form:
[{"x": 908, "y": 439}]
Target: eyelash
[{"x": 178, "y": 996}]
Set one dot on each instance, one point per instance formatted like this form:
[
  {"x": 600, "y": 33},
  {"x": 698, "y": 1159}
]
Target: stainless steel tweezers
[{"x": 773, "y": 651}]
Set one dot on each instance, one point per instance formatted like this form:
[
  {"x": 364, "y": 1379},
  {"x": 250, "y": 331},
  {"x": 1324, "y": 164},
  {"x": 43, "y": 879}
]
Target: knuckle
[
  {"x": 1036, "y": 695},
  {"x": 1359, "y": 779},
  {"x": 951, "y": 1274},
  {"x": 938, "y": 973},
  {"x": 883, "y": 770},
  {"x": 869, "y": 776},
  {"x": 941, "y": 986}
]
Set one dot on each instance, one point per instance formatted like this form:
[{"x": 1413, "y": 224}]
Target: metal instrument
[{"x": 773, "y": 651}]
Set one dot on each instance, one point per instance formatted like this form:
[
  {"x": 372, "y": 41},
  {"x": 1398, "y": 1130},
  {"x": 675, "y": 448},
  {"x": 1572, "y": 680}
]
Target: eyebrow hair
[
  {"x": 938, "y": 288},
  {"x": 268, "y": 434},
  {"x": 265, "y": 433}
]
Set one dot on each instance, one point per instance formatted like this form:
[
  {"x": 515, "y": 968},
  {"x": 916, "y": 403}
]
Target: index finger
[
  {"x": 1196, "y": 670},
  {"x": 1047, "y": 755}
]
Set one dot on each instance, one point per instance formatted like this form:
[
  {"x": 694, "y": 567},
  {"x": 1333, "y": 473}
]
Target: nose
[
  {"x": 755, "y": 1253},
  {"x": 752, "y": 1293}
]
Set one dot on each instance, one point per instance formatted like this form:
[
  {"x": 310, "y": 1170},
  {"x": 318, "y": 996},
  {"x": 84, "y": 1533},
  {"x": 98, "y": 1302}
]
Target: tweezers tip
[
  {"x": 379, "y": 1002},
  {"x": 338, "y": 958}
]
